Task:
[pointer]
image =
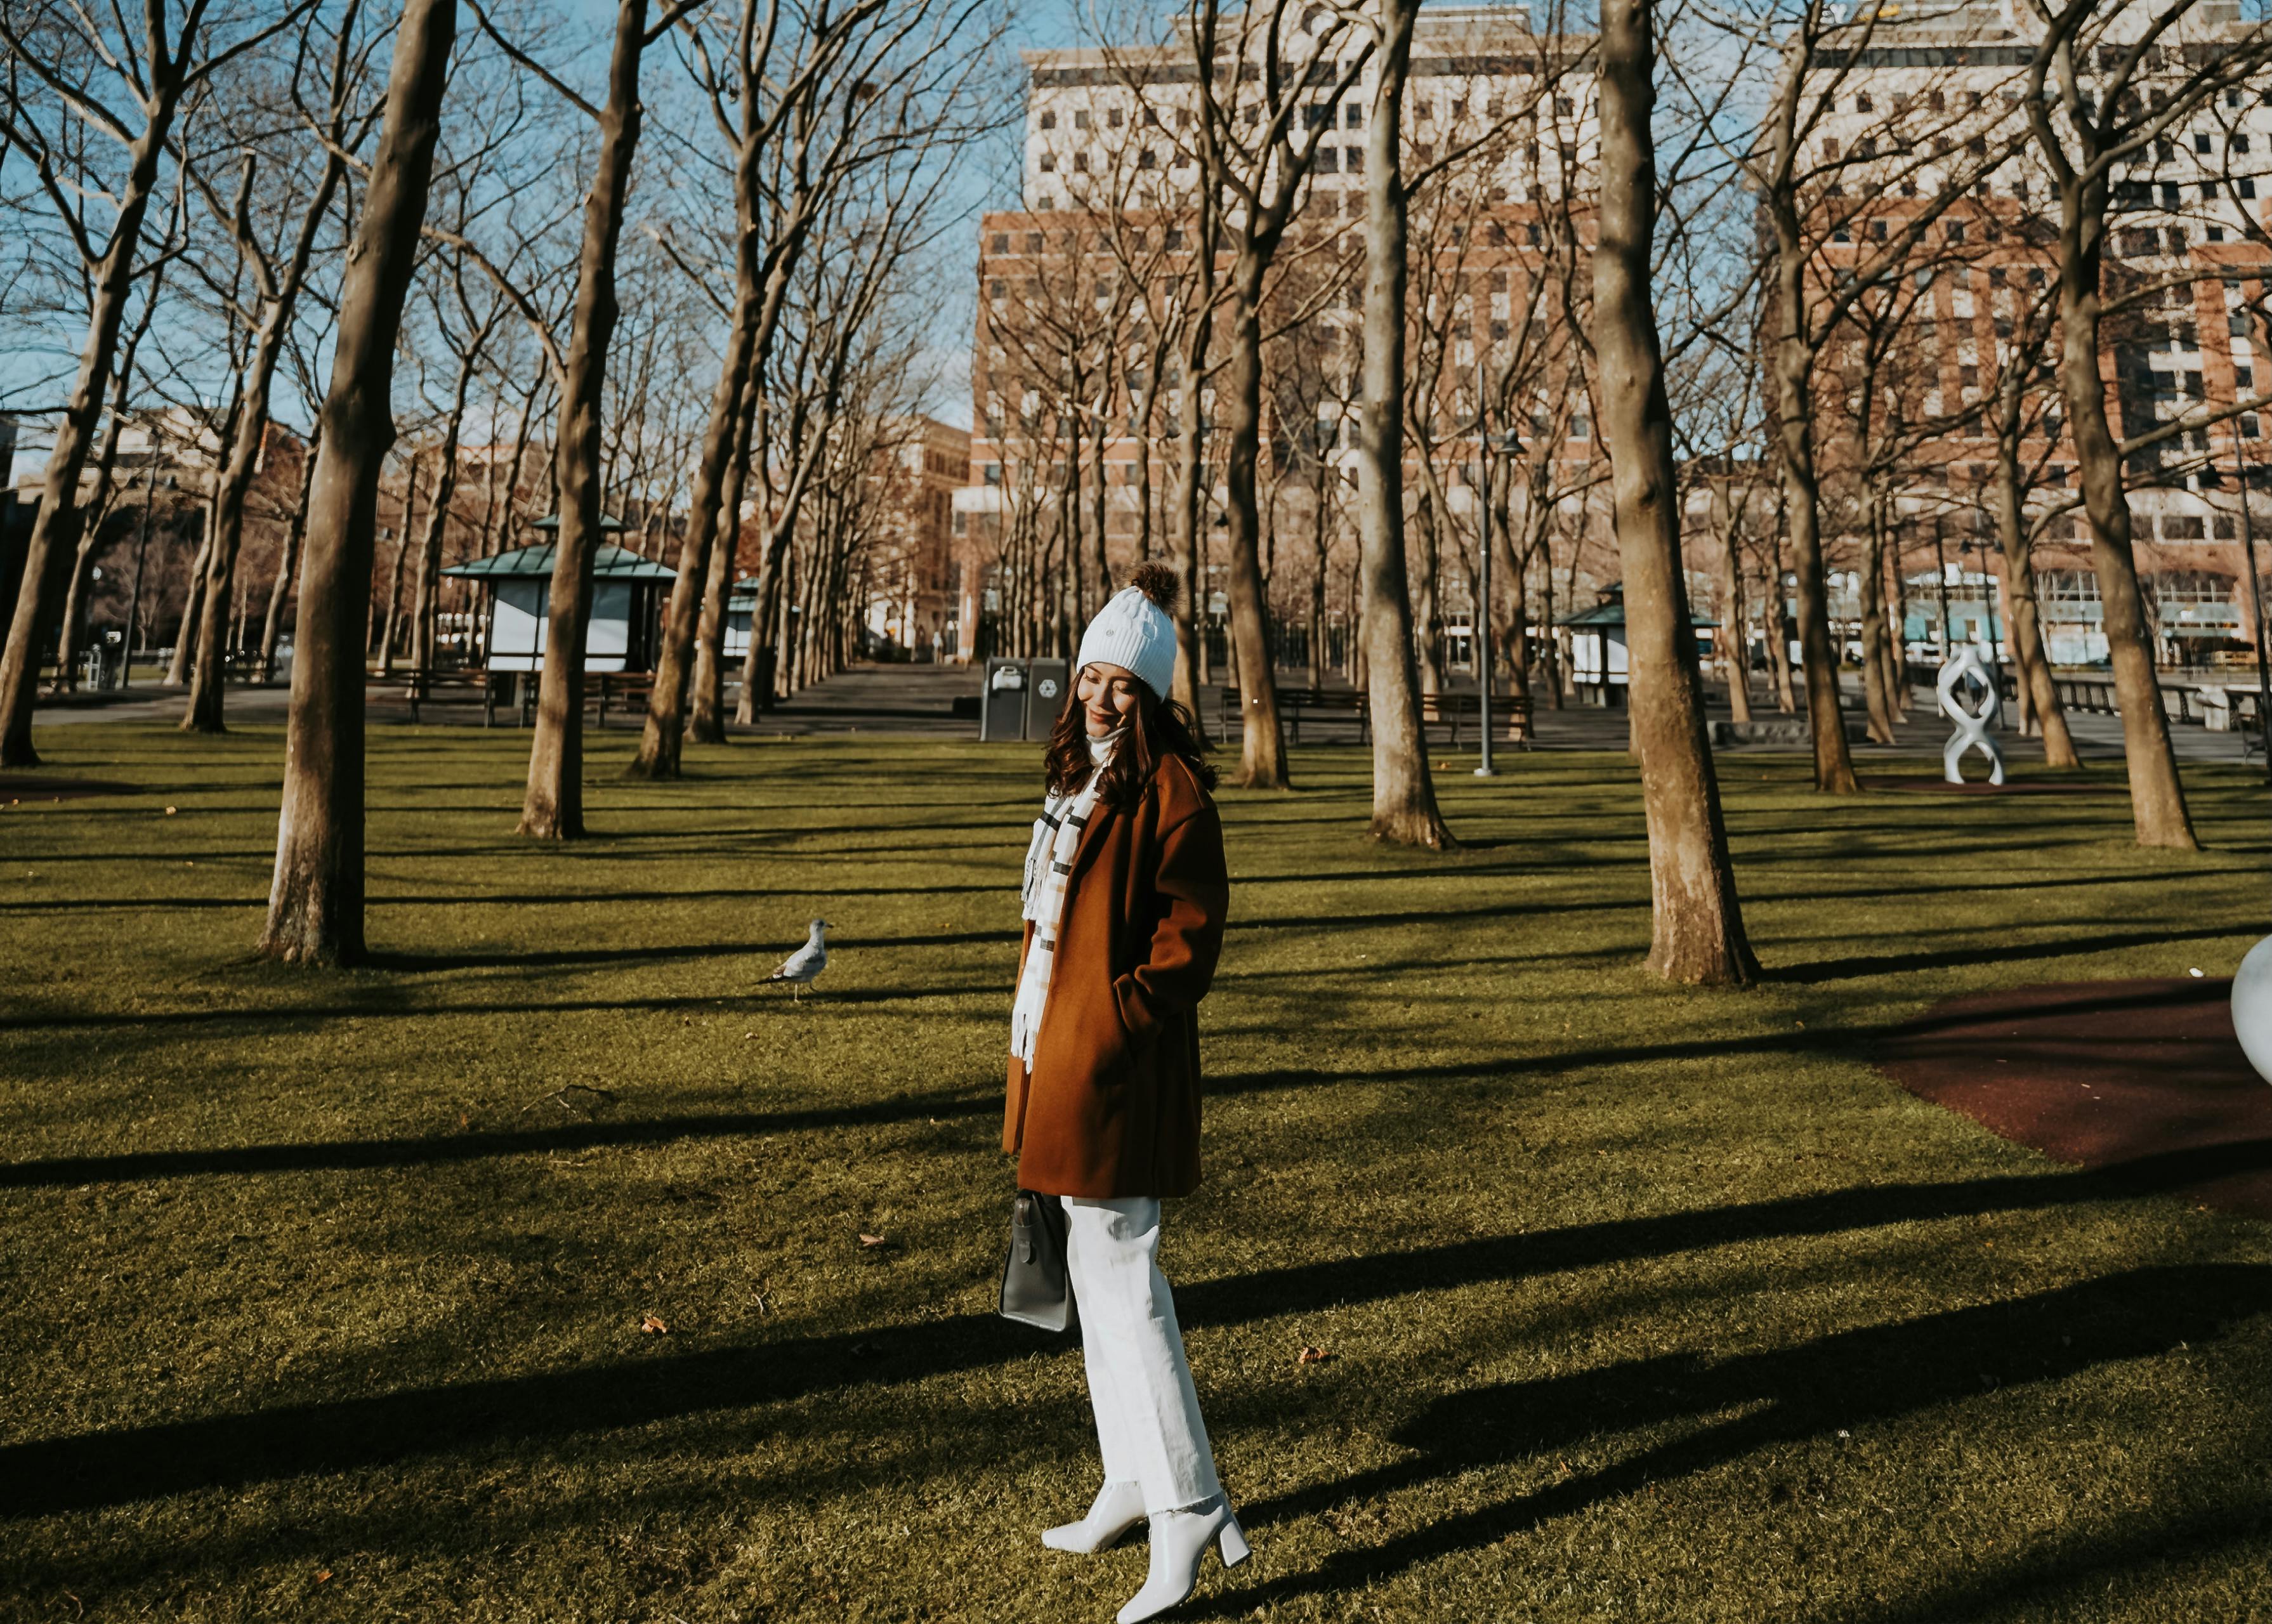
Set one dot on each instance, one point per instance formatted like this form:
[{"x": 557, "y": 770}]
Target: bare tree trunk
[
  {"x": 390, "y": 635},
  {"x": 1427, "y": 607},
  {"x": 1734, "y": 636},
  {"x": 2158, "y": 795},
  {"x": 281, "y": 588},
  {"x": 1100, "y": 557},
  {"x": 1190, "y": 462},
  {"x": 553, "y": 807},
  {"x": 177, "y": 664},
  {"x": 1877, "y": 697},
  {"x": 1698, "y": 933},
  {"x": 2025, "y": 635},
  {"x": 1892, "y": 655},
  {"x": 708, "y": 722},
  {"x": 664, "y": 734},
  {"x": 429, "y": 580},
  {"x": 1320, "y": 545},
  {"x": 316, "y": 899},
  {"x": 55, "y": 529},
  {"x": 1262, "y": 734},
  {"x": 1403, "y": 794},
  {"x": 1792, "y": 364},
  {"x": 1777, "y": 620}
]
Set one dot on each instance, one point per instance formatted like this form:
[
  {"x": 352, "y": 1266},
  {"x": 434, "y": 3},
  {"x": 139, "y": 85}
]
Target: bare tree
[
  {"x": 278, "y": 271},
  {"x": 1698, "y": 927},
  {"x": 1403, "y": 795},
  {"x": 2086, "y": 124},
  {"x": 68, "y": 69},
  {"x": 316, "y": 899},
  {"x": 1257, "y": 151}
]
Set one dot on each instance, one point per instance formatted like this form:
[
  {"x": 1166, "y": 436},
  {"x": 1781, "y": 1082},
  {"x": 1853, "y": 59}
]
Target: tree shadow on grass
[
  {"x": 2154, "y": 1173},
  {"x": 1783, "y": 1395},
  {"x": 135, "y": 1463},
  {"x": 2001, "y": 952},
  {"x": 2060, "y": 1569}
]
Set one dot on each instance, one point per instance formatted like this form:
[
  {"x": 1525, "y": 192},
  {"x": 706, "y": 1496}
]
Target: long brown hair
[{"x": 1160, "y": 727}]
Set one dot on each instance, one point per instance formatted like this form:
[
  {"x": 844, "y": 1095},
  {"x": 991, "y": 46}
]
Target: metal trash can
[
  {"x": 1001, "y": 701},
  {"x": 1049, "y": 690}
]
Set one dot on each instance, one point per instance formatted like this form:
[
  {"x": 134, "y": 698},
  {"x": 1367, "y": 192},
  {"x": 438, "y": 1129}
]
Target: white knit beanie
[{"x": 1136, "y": 630}]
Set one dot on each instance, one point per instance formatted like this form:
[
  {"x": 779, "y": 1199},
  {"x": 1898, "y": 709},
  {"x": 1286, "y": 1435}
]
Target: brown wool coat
[{"x": 1112, "y": 1105}]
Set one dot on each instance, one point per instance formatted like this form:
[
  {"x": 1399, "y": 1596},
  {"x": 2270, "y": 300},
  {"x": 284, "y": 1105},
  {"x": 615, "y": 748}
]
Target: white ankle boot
[
  {"x": 1119, "y": 1507},
  {"x": 1179, "y": 1539}
]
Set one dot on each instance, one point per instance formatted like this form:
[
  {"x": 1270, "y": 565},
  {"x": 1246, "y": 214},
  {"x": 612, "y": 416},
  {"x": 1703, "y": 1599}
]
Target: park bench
[
  {"x": 1509, "y": 710},
  {"x": 621, "y": 691},
  {"x": 423, "y": 687}
]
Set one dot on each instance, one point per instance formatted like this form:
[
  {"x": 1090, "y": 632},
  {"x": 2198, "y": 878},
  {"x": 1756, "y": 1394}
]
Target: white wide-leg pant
[{"x": 1148, "y": 1414}]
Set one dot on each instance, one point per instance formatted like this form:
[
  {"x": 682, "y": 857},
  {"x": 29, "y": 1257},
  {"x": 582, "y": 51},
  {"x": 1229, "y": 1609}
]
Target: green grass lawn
[{"x": 323, "y": 1292}]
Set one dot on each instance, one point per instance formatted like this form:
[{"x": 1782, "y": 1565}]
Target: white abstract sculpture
[
  {"x": 2252, "y": 1007},
  {"x": 1965, "y": 669}
]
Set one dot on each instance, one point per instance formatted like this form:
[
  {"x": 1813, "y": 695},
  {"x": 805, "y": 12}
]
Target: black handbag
[{"x": 1035, "y": 1290}]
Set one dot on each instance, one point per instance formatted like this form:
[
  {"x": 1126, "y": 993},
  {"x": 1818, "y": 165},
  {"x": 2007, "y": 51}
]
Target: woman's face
[{"x": 1108, "y": 696}]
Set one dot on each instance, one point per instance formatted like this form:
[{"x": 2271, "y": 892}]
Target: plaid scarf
[{"x": 1049, "y": 871}]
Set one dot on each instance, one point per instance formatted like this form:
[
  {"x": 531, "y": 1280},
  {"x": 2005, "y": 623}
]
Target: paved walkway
[{"x": 919, "y": 701}]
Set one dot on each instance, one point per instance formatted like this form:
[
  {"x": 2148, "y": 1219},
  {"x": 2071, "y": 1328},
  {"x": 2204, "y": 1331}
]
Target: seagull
[{"x": 800, "y": 968}]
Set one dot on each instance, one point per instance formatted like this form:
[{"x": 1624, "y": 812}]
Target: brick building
[
  {"x": 1924, "y": 100},
  {"x": 1076, "y": 397}
]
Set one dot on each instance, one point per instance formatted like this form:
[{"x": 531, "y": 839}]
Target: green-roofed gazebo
[
  {"x": 1598, "y": 665},
  {"x": 626, "y": 600}
]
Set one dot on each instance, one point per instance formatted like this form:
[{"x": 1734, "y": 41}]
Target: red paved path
[{"x": 2099, "y": 1073}]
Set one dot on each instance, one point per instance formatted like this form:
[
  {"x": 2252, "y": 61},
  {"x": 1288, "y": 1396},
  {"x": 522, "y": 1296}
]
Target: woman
[{"x": 1124, "y": 896}]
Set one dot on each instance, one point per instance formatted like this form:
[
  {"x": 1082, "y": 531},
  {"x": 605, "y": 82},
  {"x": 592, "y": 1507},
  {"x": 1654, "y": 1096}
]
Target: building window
[
  {"x": 2250, "y": 428},
  {"x": 1001, "y": 242},
  {"x": 1112, "y": 118},
  {"x": 1328, "y": 161},
  {"x": 993, "y": 473},
  {"x": 1352, "y": 115},
  {"x": 1049, "y": 121},
  {"x": 1080, "y": 163},
  {"x": 1081, "y": 119},
  {"x": 1580, "y": 428},
  {"x": 1146, "y": 158},
  {"x": 1049, "y": 163},
  {"x": 1175, "y": 236},
  {"x": 2202, "y": 144}
]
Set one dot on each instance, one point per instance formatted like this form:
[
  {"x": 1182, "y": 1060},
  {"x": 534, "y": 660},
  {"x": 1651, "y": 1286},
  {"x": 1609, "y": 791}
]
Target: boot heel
[{"x": 1232, "y": 1542}]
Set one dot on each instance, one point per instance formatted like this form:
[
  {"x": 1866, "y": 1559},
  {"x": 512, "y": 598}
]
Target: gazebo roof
[
  {"x": 1613, "y": 613},
  {"x": 609, "y": 562}
]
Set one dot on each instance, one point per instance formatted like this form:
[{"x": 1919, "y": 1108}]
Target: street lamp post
[{"x": 1480, "y": 609}]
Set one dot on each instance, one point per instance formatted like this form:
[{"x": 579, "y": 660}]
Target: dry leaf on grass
[
  {"x": 648, "y": 1322},
  {"x": 873, "y": 1240},
  {"x": 1311, "y": 1356},
  {"x": 323, "y": 1575}
]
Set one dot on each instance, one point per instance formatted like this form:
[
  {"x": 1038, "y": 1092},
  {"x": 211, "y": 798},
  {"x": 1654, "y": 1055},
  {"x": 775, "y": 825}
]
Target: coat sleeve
[{"x": 1192, "y": 892}]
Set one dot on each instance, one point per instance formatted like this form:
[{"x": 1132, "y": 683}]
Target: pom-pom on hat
[{"x": 1137, "y": 630}]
